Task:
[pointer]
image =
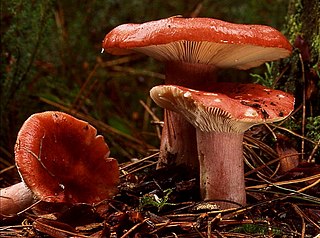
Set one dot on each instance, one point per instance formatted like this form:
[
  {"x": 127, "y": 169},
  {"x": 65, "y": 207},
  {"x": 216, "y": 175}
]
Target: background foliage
[{"x": 51, "y": 60}]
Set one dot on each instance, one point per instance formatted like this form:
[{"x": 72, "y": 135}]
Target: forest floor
[{"x": 164, "y": 203}]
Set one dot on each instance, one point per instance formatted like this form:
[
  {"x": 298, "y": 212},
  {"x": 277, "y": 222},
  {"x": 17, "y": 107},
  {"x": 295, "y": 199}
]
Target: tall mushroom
[
  {"x": 60, "y": 159},
  {"x": 192, "y": 50},
  {"x": 221, "y": 116}
]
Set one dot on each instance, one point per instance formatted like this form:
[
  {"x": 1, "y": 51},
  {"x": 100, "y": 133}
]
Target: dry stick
[
  {"x": 139, "y": 161},
  {"x": 293, "y": 192},
  {"x": 160, "y": 227},
  {"x": 7, "y": 169},
  {"x": 217, "y": 218},
  {"x": 261, "y": 145},
  {"x": 30, "y": 207},
  {"x": 303, "y": 107},
  {"x": 303, "y": 215},
  {"x": 280, "y": 76},
  {"x": 310, "y": 159},
  {"x": 77, "y": 102},
  {"x": 125, "y": 173},
  {"x": 133, "y": 228},
  {"x": 197, "y": 230},
  {"x": 303, "y": 225},
  {"x": 195, "y": 11},
  {"x": 252, "y": 166},
  {"x": 3, "y": 160},
  {"x": 295, "y": 134},
  {"x": 238, "y": 211},
  {"x": 146, "y": 113},
  {"x": 140, "y": 168},
  {"x": 53, "y": 231},
  {"x": 309, "y": 186},
  {"x": 86, "y": 94},
  {"x": 154, "y": 117},
  {"x": 271, "y": 131},
  {"x": 317, "y": 176},
  {"x": 134, "y": 71},
  {"x": 95, "y": 122},
  {"x": 122, "y": 60},
  {"x": 264, "y": 148},
  {"x": 92, "y": 73},
  {"x": 269, "y": 163},
  {"x": 220, "y": 234},
  {"x": 3, "y": 228},
  {"x": 15, "y": 230}
]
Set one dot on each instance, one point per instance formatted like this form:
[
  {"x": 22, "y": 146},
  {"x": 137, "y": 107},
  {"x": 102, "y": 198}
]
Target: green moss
[{"x": 258, "y": 229}]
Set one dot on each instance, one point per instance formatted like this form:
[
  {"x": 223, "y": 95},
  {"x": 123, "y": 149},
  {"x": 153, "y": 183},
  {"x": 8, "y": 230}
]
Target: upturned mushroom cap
[
  {"x": 200, "y": 40},
  {"x": 61, "y": 159},
  {"x": 229, "y": 107}
]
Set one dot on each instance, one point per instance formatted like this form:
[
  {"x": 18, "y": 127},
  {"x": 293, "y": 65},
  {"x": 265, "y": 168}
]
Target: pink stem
[
  {"x": 178, "y": 140},
  {"x": 178, "y": 143},
  {"x": 221, "y": 167},
  {"x": 14, "y": 199}
]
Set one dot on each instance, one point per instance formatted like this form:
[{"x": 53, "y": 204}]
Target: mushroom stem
[
  {"x": 221, "y": 167},
  {"x": 190, "y": 75},
  {"x": 14, "y": 199},
  {"x": 178, "y": 145},
  {"x": 178, "y": 140}
]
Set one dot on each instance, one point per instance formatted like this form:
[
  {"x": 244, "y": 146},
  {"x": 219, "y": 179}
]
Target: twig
[
  {"x": 154, "y": 117},
  {"x": 303, "y": 225},
  {"x": 95, "y": 122},
  {"x": 133, "y": 228},
  {"x": 310, "y": 159},
  {"x": 77, "y": 102},
  {"x": 317, "y": 176},
  {"x": 269, "y": 163},
  {"x": 304, "y": 216},
  {"x": 8, "y": 168},
  {"x": 217, "y": 217},
  {"x": 140, "y": 168},
  {"x": 134, "y": 71},
  {"x": 303, "y": 122},
  {"x": 199, "y": 233},
  {"x": 139, "y": 161},
  {"x": 317, "y": 200},
  {"x": 54, "y": 231},
  {"x": 122, "y": 60},
  {"x": 309, "y": 186},
  {"x": 295, "y": 134}
]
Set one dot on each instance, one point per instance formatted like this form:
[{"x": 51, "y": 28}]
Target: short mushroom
[
  {"x": 193, "y": 49},
  {"x": 60, "y": 159},
  {"x": 221, "y": 117}
]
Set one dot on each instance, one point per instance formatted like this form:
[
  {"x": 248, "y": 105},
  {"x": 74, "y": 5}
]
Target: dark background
[{"x": 51, "y": 60}]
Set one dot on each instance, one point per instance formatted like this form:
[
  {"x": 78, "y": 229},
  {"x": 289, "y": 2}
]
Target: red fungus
[
  {"x": 61, "y": 159},
  {"x": 192, "y": 50},
  {"x": 221, "y": 117}
]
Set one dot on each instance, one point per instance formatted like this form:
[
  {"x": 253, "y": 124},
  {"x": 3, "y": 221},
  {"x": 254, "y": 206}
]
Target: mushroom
[
  {"x": 221, "y": 116},
  {"x": 192, "y": 50},
  {"x": 60, "y": 159}
]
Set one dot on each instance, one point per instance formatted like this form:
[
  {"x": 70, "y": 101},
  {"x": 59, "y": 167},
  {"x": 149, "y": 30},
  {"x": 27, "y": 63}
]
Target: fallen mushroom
[
  {"x": 193, "y": 49},
  {"x": 221, "y": 117},
  {"x": 60, "y": 159}
]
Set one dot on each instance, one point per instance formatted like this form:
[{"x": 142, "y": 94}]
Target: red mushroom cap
[
  {"x": 229, "y": 107},
  {"x": 200, "y": 40},
  {"x": 61, "y": 159}
]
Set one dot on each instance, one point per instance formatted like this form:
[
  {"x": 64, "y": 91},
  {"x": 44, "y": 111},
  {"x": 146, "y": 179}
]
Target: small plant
[
  {"x": 267, "y": 79},
  {"x": 258, "y": 229},
  {"x": 152, "y": 199},
  {"x": 313, "y": 128}
]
